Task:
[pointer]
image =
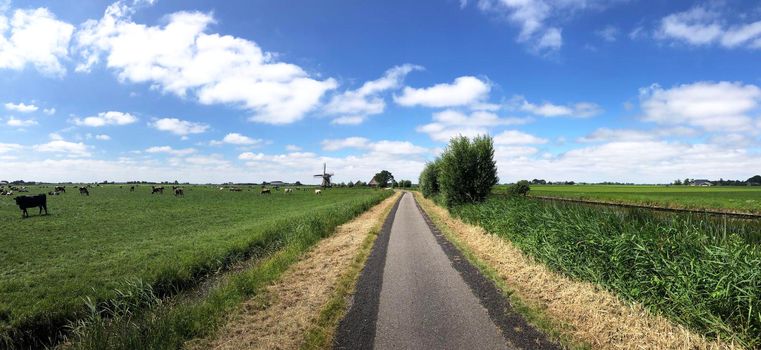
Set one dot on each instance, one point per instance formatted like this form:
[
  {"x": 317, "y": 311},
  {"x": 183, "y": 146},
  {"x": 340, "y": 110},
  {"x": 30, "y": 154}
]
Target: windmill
[{"x": 325, "y": 176}]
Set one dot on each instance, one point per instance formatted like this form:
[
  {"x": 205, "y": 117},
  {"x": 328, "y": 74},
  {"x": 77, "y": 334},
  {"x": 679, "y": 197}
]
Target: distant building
[
  {"x": 373, "y": 183},
  {"x": 704, "y": 183},
  {"x": 277, "y": 183}
]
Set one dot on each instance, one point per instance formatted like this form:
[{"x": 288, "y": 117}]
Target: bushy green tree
[
  {"x": 429, "y": 179},
  {"x": 467, "y": 170},
  {"x": 520, "y": 188},
  {"x": 383, "y": 178}
]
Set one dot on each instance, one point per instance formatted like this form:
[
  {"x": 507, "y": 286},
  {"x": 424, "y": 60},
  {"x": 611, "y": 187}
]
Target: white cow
[
  {"x": 288, "y": 190},
  {"x": 317, "y": 191}
]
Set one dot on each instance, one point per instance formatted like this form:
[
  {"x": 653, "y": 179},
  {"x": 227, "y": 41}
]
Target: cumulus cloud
[
  {"x": 464, "y": 91},
  {"x": 106, "y": 118},
  {"x": 238, "y": 139},
  {"x": 20, "y": 123},
  {"x": 49, "y": 111},
  {"x": 380, "y": 147},
  {"x": 70, "y": 149},
  {"x": 702, "y": 26},
  {"x": 180, "y": 57},
  {"x": 354, "y": 106},
  {"x": 292, "y": 148},
  {"x": 21, "y": 107},
  {"x": 515, "y": 137},
  {"x": 102, "y": 137},
  {"x": 179, "y": 127},
  {"x": 722, "y": 106},
  {"x": 170, "y": 150},
  {"x": 547, "y": 109},
  {"x": 450, "y": 123},
  {"x": 9, "y": 147},
  {"x": 34, "y": 37},
  {"x": 608, "y": 134}
]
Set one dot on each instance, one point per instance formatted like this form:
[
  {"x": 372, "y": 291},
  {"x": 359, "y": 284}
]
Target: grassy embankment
[
  {"x": 119, "y": 253},
  {"x": 695, "y": 271}
]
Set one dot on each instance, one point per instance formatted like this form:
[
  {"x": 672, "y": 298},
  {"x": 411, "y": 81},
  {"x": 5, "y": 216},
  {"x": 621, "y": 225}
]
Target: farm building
[
  {"x": 701, "y": 183},
  {"x": 277, "y": 183},
  {"x": 372, "y": 183}
]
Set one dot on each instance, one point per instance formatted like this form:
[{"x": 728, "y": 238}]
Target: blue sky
[{"x": 201, "y": 91}]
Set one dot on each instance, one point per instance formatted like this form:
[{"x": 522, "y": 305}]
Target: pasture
[
  {"x": 92, "y": 246},
  {"x": 725, "y": 198}
]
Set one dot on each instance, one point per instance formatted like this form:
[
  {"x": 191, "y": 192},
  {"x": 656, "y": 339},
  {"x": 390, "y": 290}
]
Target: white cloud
[
  {"x": 238, "y": 139},
  {"x": 608, "y": 134},
  {"x": 608, "y": 33},
  {"x": 292, "y": 148},
  {"x": 170, "y": 150},
  {"x": 20, "y": 107},
  {"x": 711, "y": 106},
  {"x": 354, "y": 106},
  {"x": 49, "y": 111},
  {"x": 55, "y": 136},
  {"x": 179, "y": 127},
  {"x": 515, "y": 137},
  {"x": 539, "y": 20},
  {"x": 106, "y": 118},
  {"x": 450, "y": 123},
  {"x": 379, "y": 147},
  {"x": 349, "y": 142},
  {"x": 20, "y": 123},
  {"x": 182, "y": 58},
  {"x": 34, "y": 37},
  {"x": 102, "y": 137},
  {"x": 701, "y": 26},
  {"x": 71, "y": 149},
  {"x": 547, "y": 109},
  {"x": 9, "y": 147},
  {"x": 464, "y": 91}
]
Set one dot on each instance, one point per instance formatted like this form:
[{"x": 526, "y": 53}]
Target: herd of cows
[{"x": 40, "y": 201}]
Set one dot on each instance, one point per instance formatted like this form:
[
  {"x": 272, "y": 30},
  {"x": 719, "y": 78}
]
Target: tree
[
  {"x": 467, "y": 170},
  {"x": 521, "y": 188},
  {"x": 350, "y": 184},
  {"x": 429, "y": 179},
  {"x": 297, "y": 183},
  {"x": 383, "y": 178},
  {"x": 755, "y": 180}
]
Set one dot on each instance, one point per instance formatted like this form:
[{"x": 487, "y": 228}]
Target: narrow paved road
[{"x": 424, "y": 302}]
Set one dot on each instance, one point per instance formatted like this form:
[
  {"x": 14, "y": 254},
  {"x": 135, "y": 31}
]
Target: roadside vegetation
[
  {"x": 698, "y": 270},
  {"x": 103, "y": 265},
  {"x": 742, "y": 199}
]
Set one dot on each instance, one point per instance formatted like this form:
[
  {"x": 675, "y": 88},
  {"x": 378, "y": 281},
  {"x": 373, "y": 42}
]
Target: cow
[
  {"x": 25, "y": 202},
  {"x": 266, "y": 191},
  {"x": 132, "y": 188},
  {"x": 236, "y": 189},
  {"x": 83, "y": 191},
  {"x": 317, "y": 191},
  {"x": 288, "y": 190},
  {"x": 53, "y": 193},
  {"x": 61, "y": 189},
  {"x": 159, "y": 190},
  {"x": 179, "y": 192}
]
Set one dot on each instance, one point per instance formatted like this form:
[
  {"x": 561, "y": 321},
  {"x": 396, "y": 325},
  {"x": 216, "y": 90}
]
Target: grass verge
[
  {"x": 160, "y": 324},
  {"x": 322, "y": 333}
]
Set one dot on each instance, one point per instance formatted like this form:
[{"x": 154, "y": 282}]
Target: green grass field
[
  {"x": 92, "y": 246},
  {"x": 736, "y": 199}
]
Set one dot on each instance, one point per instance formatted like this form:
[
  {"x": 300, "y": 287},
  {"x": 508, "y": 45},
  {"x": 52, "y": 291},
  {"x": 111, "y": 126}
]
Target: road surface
[{"x": 417, "y": 291}]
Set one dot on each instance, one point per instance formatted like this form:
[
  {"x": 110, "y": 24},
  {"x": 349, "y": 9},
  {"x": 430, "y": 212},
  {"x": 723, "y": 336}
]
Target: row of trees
[
  {"x": 464, "y": 173},
  {"x": 753, "y": 181}
]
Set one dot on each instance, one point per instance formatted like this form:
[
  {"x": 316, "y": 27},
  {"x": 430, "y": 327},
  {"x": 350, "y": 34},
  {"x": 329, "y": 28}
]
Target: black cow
[
  {"x": 60, "y": 189},
  {"x": 83, "y": 191},
  {"x": 25, "y": 202}
]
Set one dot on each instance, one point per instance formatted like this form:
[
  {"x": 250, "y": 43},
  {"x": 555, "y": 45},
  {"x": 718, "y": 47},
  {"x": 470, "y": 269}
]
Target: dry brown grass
[
  {"x": 280, "y": 317},
  {"x": 589, "y": 314}
]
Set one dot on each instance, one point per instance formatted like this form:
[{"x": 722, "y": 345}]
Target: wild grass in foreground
[
  {"x": 95, "y": 248},
  {"x": 671, "y": 264},
  {"x": 168, "y": 326}
]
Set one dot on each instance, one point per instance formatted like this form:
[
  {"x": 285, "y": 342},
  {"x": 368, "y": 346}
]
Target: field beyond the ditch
[
  {"x": 725, "y": 198},
  {"x": 93, "y": 246}
]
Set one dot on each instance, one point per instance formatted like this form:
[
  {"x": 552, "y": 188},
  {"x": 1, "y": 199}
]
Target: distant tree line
[{"x": 752, "y": 181}]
